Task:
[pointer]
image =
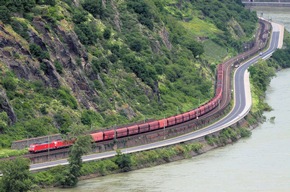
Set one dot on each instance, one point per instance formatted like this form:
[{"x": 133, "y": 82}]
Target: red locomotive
[{"x": 145, "y": 127}]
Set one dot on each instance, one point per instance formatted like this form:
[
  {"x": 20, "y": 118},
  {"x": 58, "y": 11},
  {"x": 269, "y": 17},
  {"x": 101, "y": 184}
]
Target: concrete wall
[{"x": 265, "y": 3}]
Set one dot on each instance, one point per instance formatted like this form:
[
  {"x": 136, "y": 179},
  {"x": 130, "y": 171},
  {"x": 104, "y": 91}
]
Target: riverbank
[
  {"x": 183, "y": 151},
  {"x": 145, "y": 159},
  {"x": 179, "y": 152}
]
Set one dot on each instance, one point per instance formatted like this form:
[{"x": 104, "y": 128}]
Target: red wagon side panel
[
  {"x": 171, "y": 121},
  {"x": 162, "y": 123},
  {"x": 144, "y": 127},
  {"x": 179, "y": 119},
  {"x": 185, "y": 116},
  {"x": 99, "y": 136},
  {"x": 110, "y": 134},
  {"x": 154, "y": 125},
  {"x": 197, "y": 113},
  {"x": 122, "y": 132},
  {"x": 202, "y": 110},
  {"x": 133, "y": 130},
  {"x": 192, "y": 114}
]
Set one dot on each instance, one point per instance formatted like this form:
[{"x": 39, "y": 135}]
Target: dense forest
[{"x": 101, "y": 63}]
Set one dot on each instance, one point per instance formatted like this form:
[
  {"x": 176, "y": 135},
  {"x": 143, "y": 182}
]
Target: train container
[
  {"x": 110, "y": 134},
  {"x": 162, "y": 123},
  {"x": 144, "y": 128},
  {"x": 192, "y": 114},
  {"x": 214, "y": 101},
  {"x": 171, "y": 121},
  {"x": 186, "y": 116},
  {"x": 202, "y": 110},
  {"x": 132, "y": 130},
  {"x": 219, "y": 79},
  {"x": 210, "y": 105},
  {"x": 220, "y": 67},
  {"x": 218, "y": 90},
  {"x": 206, "y": 108},
  {"x": 154, "y": 125},
  {"x": 122, "y": 132},
  {"x": 178, "y": 119},
  {"x": 99, "y": 136},
  {"x": 197, "y": 112}
]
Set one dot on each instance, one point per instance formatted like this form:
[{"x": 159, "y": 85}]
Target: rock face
[
  {"x": 5, "y": 106},
  {"x": 15, "y": 54}
]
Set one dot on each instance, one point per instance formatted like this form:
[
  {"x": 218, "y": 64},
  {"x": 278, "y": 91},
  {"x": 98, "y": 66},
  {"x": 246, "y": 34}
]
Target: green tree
[
  {"x": 5, "y": 16},
  {"x": 107, "y": 33},
  {"x": 95, "y": 7},
  {"x": 196, "y": 48},
  {"x": 16, "y": 175},
  {"x": 4, "y": 120},
  {"x": 123, "y": 161},
  {"x": 81, "y": 146}
]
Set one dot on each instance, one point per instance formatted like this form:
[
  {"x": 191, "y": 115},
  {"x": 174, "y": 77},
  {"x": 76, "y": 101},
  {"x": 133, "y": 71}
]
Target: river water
[{"x": 260, "y": 163}]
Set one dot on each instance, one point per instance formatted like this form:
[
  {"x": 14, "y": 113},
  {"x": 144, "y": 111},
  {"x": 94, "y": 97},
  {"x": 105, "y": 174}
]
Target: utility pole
[{"x": 164, "y": 127}]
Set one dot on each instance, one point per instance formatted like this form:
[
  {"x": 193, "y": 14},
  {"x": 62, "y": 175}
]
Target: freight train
[{"x": 145, "y": 127}]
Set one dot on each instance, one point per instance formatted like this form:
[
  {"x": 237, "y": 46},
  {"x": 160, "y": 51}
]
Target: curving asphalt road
[{"x": 241, "y": 108}]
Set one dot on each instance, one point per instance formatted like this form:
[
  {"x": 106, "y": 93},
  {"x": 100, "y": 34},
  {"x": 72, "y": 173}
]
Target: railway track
[{"x": 260, "y": 43}]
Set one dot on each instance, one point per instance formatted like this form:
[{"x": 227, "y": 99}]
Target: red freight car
[
  {"x": 186, "y": 116},
  {"x": 99, "y": 136},
  {"x": 162, "y": 123},
  {"x": 122, "y": 132},
  {"x": 133, "y": 130},
  {"x": 192, "y": 114},
  {"x": 171, "y": 121},
  {"x": 110, "y": 134},
  {"x": 154, "y": 125},
  {"x": 179, "y": 119},
  {"x": 144, "y": 128}
]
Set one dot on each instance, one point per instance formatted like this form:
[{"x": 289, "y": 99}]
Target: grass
[
  {"x": 201, "y": 28},
  {"x": 4, "y": 153},
  {"x": 213, "y": 52}
]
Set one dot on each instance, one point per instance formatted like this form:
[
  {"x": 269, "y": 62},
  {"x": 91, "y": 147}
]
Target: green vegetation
[
  {"x": 81, "y": 146},
  {"x": 121, "y": 162},
  {"x": 16, "y": 176},
  {"x": 4, "y": 153},
  {"x": 113, "y": 62},
  {"x": 227, "y": 135},
  {"x": 281, "y": 56},
  {"x": 261, "y": 75}
]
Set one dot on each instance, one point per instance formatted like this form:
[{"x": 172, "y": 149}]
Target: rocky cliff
[{"x": 100, "y": 63}]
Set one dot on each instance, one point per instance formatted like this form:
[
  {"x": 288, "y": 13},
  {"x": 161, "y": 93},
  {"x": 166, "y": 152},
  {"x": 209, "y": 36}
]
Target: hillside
[{"x": 101, "y": 63}]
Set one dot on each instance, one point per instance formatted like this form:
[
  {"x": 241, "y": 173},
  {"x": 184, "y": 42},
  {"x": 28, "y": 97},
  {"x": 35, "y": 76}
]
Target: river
[{"x": 260, "y": 163}]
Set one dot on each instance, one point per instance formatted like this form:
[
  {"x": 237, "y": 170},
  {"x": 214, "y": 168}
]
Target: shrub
[
  {"x": 66, "y": 98},
  {"x": 20, "y": 28},
  {"x": 5, "y": 14},
  {"x": 95, "y": 7},
  {"x": 63, "y": 121},
  {"x": 9, "y": 83},
  {"x": 37, "y": 52},
  {"x": 245, "y": 132},
  {"x": 58, "y": 67},
  {"x": 123, "y": 161},
  {"x": 107, "y": 33}
]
